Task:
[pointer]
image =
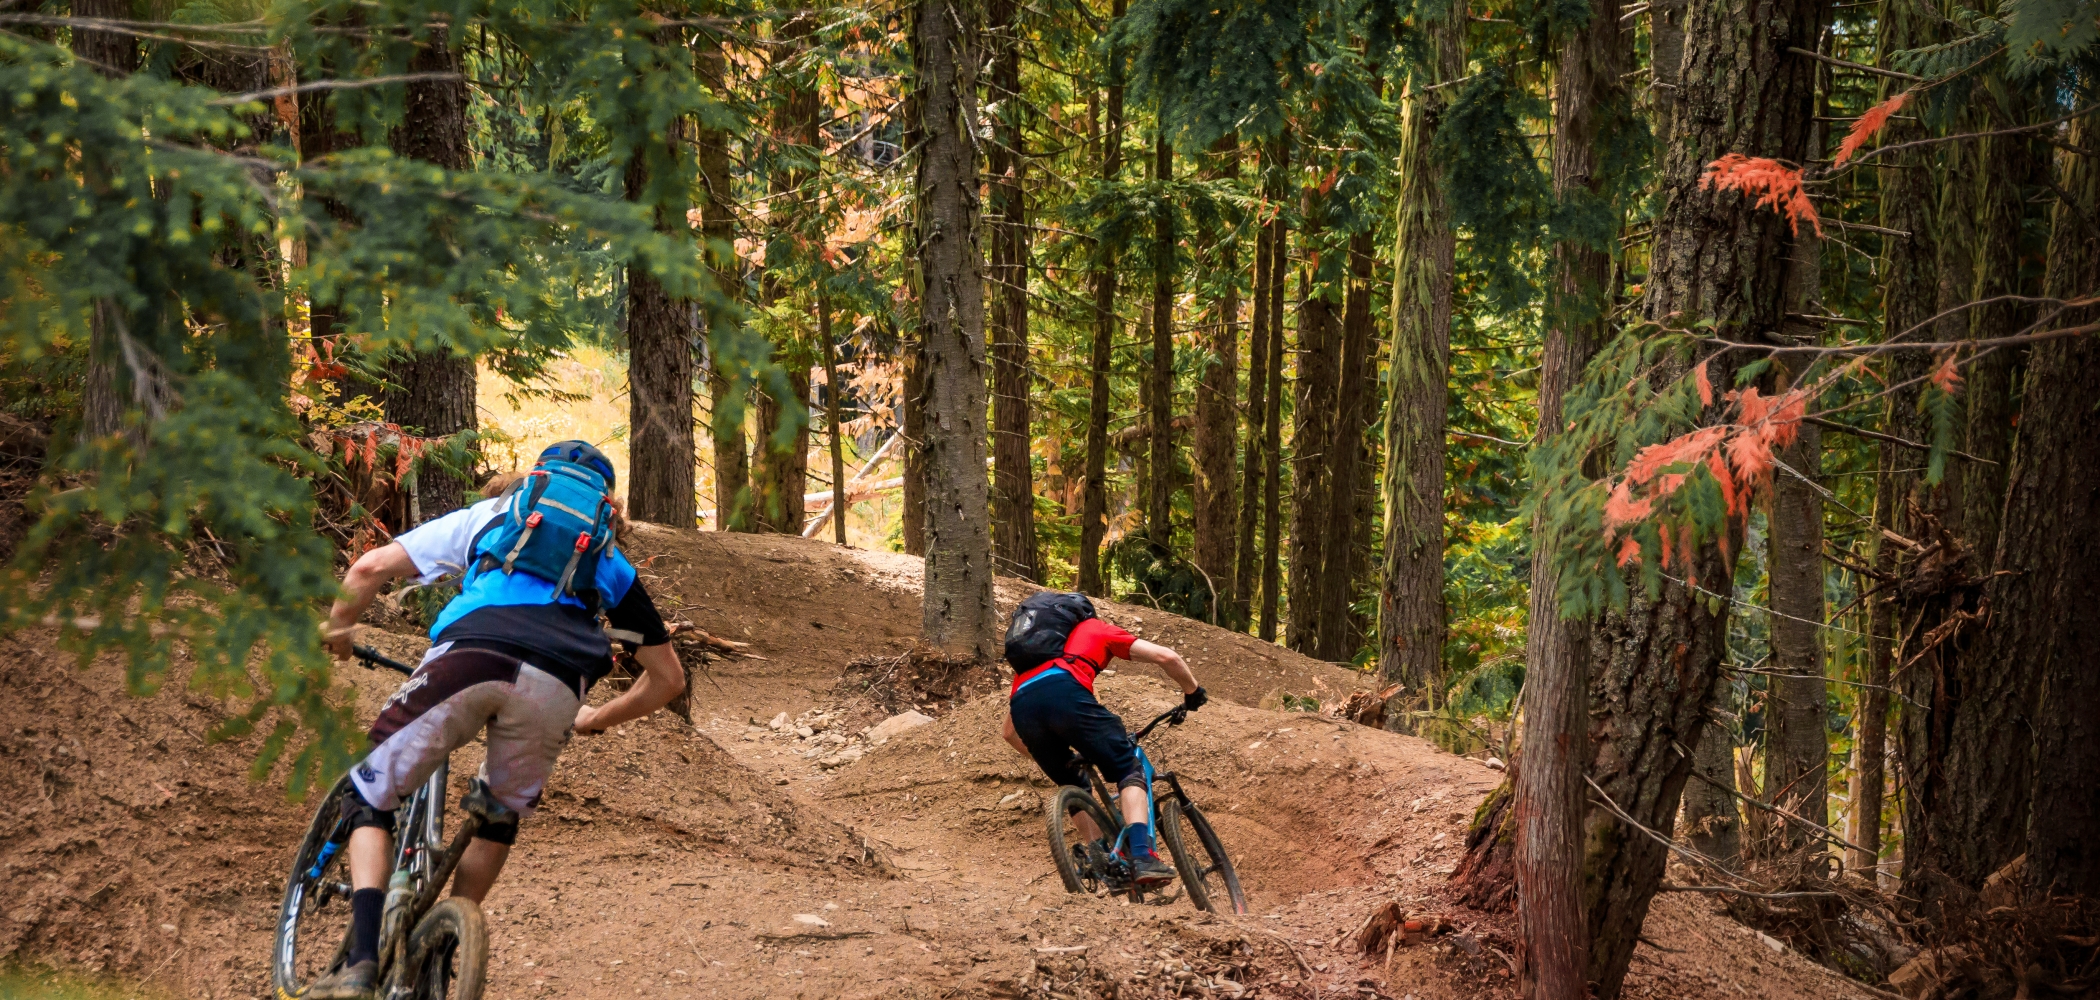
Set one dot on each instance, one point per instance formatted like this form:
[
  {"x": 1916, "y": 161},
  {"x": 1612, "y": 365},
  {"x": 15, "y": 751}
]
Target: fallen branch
[
  {"x": 1670, "y": 887},
  {"x": 817, "y": 936}
]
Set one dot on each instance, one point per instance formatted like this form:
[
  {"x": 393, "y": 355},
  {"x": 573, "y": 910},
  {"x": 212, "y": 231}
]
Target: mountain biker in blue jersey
[
  {"x": 1053, "y": 717},
  {"x": 516, "y": 652}
]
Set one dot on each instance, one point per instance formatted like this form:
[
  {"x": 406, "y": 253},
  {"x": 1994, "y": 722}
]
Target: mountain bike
[
  {"x": 428, "y": 949},
  {"x": 1091, "y": 865}
]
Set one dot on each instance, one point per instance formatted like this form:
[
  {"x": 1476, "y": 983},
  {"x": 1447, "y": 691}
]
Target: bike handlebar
[
  {"x": 1174, "y": 716},
  {"x": 375, "y": 659}
]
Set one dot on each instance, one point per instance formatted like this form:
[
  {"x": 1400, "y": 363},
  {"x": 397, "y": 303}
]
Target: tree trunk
[
  {"x": 1561, "y": 953},
  {"x": 1797, "y": 737},
  {"x": 2042, "y": 597},
  {"x": 1159, "y": 500},
  {"x": 958, "y": 617},
  {"x": 1093, "y": 515},
  {"x": 102, "y": 393},
  {"x": 718, "y": 230},
  {"x": 1247, "y": 558},
  {"x": 1411, "y": 575},
  {"x": 1217, "y": 392},
  {"x": 1013, "y": 480},
  {"x": 781, "y": 473},
  {"x": 2001, "y": 165},
  {"x": 1713, "y": 821},
  {"x": 1272, "y": 424},
  {"x": 660, "y": 456},
  {"x": 1338, "y": 640},
  {"x": 434, "y": 393},
  {"x": 1654, "y": 665},
  {"x": 913, "y": 519},
  {"x": 834, "y": 394},
  {"x": 1870, "y": 749},
  {"x": 1312, "y": 444}
]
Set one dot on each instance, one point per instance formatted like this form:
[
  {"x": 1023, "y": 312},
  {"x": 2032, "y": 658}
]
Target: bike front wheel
[
  {"x": 1205, "y": 868},
  {"x": 448, "y": 954},
  {"x": 313, "y": 921},
  {"x": 1077, "y": 858}
]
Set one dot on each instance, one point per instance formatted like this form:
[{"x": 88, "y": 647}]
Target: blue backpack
[{"x": 556, "y": 526}]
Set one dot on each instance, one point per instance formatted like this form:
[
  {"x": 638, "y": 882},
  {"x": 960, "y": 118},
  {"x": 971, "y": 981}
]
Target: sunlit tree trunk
[
  {"x": 1338, "y": 638},
  {"x": 1247, "y": 557},
  {"x": 958, "y": 612},
  {"x": 102, "y": 393}
]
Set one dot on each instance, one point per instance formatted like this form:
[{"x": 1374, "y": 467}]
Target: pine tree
[
  {"x": 958, "y": 597},
  {"x": 1013, "y": 473},
  {"x": 1215, "y": 520},
  {"x": 660, "y": 333},
  {"x": 1093, "y": 514}
]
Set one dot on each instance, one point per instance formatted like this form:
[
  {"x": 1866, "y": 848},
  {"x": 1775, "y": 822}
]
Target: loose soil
[{"x": 729, "y": 858}]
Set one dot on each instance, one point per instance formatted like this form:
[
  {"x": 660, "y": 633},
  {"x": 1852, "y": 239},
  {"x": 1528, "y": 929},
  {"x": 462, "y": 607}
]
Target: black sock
[{"x": 366, "y": 905}]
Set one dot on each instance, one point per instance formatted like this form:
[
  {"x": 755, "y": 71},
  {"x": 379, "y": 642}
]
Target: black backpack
[{"x": 1041, "y": 625}]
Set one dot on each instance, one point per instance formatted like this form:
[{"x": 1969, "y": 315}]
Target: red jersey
[{"x": 1087, "y": 650}]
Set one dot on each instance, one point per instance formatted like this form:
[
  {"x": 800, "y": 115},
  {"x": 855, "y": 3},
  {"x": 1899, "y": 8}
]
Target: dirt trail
[{"x": 730, "y": 859}]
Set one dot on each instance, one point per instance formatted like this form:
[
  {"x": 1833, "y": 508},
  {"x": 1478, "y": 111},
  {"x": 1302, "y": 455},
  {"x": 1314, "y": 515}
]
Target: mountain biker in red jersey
[
  {"x": 515, "y": 652},
  {"x": 1052, "y": 712}
]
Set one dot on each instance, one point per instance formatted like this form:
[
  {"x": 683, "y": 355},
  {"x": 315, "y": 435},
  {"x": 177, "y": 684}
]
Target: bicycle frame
[{"x": 1173, "y": 717}]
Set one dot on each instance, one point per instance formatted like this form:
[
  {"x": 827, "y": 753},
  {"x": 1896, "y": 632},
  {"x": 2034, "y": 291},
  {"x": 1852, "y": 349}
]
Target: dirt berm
[{"x": 732, "y": 859}]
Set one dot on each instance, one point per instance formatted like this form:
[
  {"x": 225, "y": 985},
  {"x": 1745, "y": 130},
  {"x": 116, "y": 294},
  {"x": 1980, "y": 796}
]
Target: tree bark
[
  {"x": 1870, "y": 748},
  {"x": 2043, "y": 600},
  {"x": 1159, "y": 500},
  {"x": 1998, "y": 166},
  {"x": 1013, "y": 479},
  {"x": 958, "y": 613},
  {"x": 434, "y": 392},
  {"x": 834, "y": 394},
  {"x": 1560, "y": 958},
  {"x": 913, "y": 520},
  {"x": 1339, "y": 639},
  {"x": 1411, "y": 623},
  {"x": 718, "y": 230},
  {"x": 1093, "y": 515},
  {"x": 102, "y": 392},
  {"x": 1217, "y": 397},
  {"x": 1312, "y": 447},
  {"x": 1797, "y": 737},
  {"x": 1718, "y": 257},
  {"x": 781, "y": 467},
  {"x": 660, "y": 332},
  {"x": 1272, "y": 424},
  {"x": 1247, "y": 557}
]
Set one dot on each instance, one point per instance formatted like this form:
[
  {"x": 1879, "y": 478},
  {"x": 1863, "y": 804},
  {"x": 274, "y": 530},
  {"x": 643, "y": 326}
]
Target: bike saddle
[{"x": 479, "y": 802}]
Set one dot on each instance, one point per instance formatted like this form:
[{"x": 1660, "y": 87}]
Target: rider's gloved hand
[{"x": 1195, "y": 699}]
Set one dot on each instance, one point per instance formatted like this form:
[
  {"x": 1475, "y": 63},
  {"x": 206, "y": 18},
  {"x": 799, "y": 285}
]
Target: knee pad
[
  {"x": 1135, "y": 779},
  {"x": 359, "y": 814},
  {"x": 499, "y": 832}
]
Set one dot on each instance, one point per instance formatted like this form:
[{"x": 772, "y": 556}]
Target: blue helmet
[{"x": 582, "y": 453}]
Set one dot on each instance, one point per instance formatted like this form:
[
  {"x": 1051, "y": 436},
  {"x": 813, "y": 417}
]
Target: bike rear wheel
[
  {"x": 1075, "y": 855},
  {"x": 448, "y": 954},
  {"x": 1205, "y": 868},
  {"x": 312, "y": 934}
]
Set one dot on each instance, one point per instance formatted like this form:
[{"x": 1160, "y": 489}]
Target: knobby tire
[
  {"x": 1075, "y": 875},
  {"x": 1195, "y": 873},
  {"x": 448, "y": 952},
  {"x": 300, "y": 933}
]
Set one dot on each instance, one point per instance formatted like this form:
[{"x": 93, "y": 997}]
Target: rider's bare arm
[
  {"x": 1168, "y": 661},
  {"x": 371, "y": 572},
  {"x": 1013, "y": 739},
  {"x": 662, "y": 679}
]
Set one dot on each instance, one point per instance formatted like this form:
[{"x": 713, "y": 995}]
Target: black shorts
[{"x": 1055, "y": 716}]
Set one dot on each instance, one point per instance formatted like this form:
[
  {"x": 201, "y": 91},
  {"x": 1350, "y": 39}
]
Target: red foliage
[
  {"x": 1868, "y": 124},
  {"x": 1947, "y": 376},
  {"x": 1737, "y": 456},
  {"x": 1776, "y": 185},
  {"x": 1706, "y": 386}
]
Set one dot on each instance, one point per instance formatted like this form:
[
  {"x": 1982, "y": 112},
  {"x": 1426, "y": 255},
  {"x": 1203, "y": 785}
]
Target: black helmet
[{"x": 582, "y": 453}]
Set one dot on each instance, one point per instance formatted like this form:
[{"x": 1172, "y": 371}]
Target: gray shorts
[{"x": 450, "y": 697}]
